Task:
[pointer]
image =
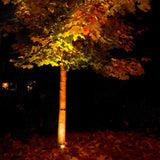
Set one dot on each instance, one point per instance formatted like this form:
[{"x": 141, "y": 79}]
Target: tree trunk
[{"x": 62, "y": 107}]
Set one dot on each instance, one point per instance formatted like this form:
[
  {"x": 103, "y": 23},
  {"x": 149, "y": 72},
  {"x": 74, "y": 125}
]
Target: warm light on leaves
[
  {"x": 77, "y": 37},
  {"x": 73, "y": 38},
  {"x": 121, "y": 68}
]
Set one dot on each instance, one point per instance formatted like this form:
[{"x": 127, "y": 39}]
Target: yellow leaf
[
  {"x": 51, "y": 10},
  {"x": 20, "y": 57},
  {"x": 30, "y": 66},
  {"x": 24, "y": 67}
]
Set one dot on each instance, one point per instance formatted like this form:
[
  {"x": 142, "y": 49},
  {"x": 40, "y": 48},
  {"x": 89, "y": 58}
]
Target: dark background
[{"x": 93, "y": 101}]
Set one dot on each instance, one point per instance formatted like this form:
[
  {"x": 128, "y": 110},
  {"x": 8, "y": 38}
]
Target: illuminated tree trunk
[{"x": 62, "y": 107}]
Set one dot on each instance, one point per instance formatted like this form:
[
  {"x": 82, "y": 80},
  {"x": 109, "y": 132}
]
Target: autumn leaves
[
  {"x": 78, "y": 36},
  {"x": 88, "y": 21}
]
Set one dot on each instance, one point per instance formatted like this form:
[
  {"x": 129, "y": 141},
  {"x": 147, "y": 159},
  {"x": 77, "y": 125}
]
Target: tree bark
[{"x": 62, "y": 107}]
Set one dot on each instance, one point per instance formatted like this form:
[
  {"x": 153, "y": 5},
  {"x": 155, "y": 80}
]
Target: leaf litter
[{"x": 101, "y": 145}]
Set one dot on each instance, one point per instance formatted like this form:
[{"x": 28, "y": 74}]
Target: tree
[{"x": 73, "y": 35}]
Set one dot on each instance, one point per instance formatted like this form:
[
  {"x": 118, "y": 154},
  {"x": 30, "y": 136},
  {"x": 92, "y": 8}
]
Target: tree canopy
[{"x": 76, "y": 34}]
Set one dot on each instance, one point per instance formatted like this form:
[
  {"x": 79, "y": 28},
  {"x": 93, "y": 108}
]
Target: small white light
[{"x": 62, "y": 146}]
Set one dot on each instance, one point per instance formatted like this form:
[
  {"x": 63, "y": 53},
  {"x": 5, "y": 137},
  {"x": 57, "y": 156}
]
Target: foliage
[
  {"x": 77, "y": 34},
  {"x": 97, "y": 146}
]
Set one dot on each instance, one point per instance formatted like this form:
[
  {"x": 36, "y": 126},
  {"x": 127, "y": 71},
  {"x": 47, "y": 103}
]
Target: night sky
[{"x": 93, "y": 102}]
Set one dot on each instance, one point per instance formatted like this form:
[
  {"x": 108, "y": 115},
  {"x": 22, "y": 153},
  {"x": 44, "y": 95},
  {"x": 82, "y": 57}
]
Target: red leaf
[
  {"x": 85, "y": 29},
  {"x": 78, "y": 12},
  {"x": 92, "y": 20}
]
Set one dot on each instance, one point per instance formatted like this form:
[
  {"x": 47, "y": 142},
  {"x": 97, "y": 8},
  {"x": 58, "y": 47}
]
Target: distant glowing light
[
  {"x": 30, "y": 85},
  {"x": 5, "y": 85}
]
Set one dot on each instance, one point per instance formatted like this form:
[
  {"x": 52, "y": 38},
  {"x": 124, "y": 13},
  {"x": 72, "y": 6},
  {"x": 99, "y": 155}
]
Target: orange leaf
[
  {"x": 146, "y": 59},
  {"x": 12, "y": 60},
  {"x": 78, "y": 12}
]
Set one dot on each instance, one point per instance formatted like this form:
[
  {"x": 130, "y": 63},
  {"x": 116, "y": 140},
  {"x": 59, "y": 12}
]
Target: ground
[{"x": 101, "y": 145}]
